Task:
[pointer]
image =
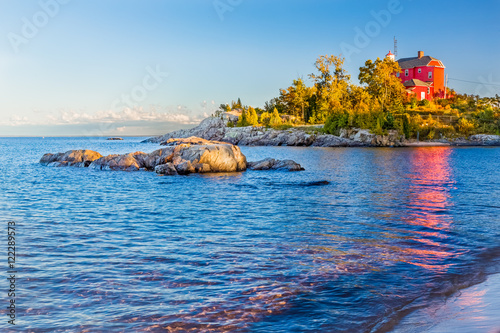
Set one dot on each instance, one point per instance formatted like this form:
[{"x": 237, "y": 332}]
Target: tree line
[{"x": 379, "y": 104}]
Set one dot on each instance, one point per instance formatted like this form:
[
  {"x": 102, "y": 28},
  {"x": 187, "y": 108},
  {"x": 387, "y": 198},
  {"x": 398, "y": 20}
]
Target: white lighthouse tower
[{"x": 391, "y": 56}]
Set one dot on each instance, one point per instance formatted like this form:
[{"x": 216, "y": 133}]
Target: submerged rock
[
  {"x": 114, "y": 139},
  {"x": 272, "y": 164}
]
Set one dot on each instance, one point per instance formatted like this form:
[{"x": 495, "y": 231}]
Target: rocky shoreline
[{"x": 214, "y": 128}]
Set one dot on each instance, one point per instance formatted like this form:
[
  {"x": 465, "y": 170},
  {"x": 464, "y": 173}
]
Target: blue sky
[{"x": 130, "y": 67}]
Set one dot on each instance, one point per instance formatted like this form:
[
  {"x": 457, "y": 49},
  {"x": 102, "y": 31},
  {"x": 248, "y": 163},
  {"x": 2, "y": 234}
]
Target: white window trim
[
  {"x": 430, "y": 75},
  {"x": 419, "y": 70},
  {"x": 407, "y": 72}
]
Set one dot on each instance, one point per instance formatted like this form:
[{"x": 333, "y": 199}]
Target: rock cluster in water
[
  {"x": 179, "y": 157},
  {"x": 214, "y": 128}
]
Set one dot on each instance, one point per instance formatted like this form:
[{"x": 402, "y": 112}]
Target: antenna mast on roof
[{"x": 395, "y": 47}]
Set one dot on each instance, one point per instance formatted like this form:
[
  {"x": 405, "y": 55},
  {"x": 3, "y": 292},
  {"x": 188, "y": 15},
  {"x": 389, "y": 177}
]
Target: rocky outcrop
[
  {"x": 364, "y": 137},
  {"x": 478, "y": 140},
  {"x": 211, "y": 128},
  {"x": 216, "y": 129},
  {"x": 272, "y": 164},
  {"x": 485, "y": 140},
  {"x": 114, "y": 139},
  {"x": 261, "y": 136},
  {"x": 182, "y": 156},
  {"x": 75, "y": 158}
]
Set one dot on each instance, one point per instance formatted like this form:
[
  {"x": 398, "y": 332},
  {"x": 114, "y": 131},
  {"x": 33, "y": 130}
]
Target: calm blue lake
[{"x": 356, "y": 242}]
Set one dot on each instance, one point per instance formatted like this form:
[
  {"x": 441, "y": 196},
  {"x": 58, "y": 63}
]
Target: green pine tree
[{"x": 243, "y": 120}]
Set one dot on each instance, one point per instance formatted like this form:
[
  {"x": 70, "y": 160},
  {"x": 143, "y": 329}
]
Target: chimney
[{"x": 420, "y": 54}]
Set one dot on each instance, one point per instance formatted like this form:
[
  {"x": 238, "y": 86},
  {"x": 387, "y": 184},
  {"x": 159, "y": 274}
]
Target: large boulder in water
[
  {"x": 196, "y": 155},
  {"x": 127, "y": 162},
  {"x": 75, "y": 158}
]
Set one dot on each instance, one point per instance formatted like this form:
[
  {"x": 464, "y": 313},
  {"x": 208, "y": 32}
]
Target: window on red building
[
  {"x": 407, "y": 72},
  {"x": 430, "y": 75}
]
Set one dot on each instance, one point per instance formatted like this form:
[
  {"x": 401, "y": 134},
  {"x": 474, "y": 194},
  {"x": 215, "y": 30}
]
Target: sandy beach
[{"x": 474, "y": 309}]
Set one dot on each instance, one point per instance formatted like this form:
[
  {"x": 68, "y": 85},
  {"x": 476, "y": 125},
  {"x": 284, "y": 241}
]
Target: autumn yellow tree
[
  {"x": 296, "y": 98},
  {"x": 275, "y": 119},
  {"x": 252, "y": 118},
  {"x": 332, "y": 85},
  {"x": 381, "y": 82}
]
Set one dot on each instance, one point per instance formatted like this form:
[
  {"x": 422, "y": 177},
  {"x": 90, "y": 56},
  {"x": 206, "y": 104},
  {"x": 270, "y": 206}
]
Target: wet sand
[{"x": 471, "y": 310}]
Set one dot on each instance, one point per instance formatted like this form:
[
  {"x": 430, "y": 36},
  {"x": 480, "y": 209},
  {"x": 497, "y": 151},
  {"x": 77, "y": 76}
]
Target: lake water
[{"x": 358, "y": 241}]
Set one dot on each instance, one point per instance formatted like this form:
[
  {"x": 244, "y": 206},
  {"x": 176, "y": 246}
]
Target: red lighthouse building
[{"x": 423, "y": 76}]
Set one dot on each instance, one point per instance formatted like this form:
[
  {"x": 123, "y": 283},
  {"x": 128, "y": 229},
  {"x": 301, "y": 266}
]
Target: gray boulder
[
  {"x": 166, "y": 169},
  {"x": 272, "y": 164}
]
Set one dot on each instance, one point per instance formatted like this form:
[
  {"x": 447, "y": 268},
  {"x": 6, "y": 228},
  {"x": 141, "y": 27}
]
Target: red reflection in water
[
  {"x": 429, "y": 199},
  {"x": 429, "y": 189}
]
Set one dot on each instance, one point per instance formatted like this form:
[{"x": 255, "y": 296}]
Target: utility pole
[
  {"x": 446, "y": 87},
  {"x": 395, "y": 48}
]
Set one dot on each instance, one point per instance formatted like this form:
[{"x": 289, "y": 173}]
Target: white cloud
[
  {"x": 181, "y": 115},
  {"x": 111, "y": 116},
  {"x": 17, "y": 121}
]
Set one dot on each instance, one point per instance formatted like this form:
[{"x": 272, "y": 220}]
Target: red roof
[
  {"x": 406, "y": 63},
  {"x": 417, "y": 83}
]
